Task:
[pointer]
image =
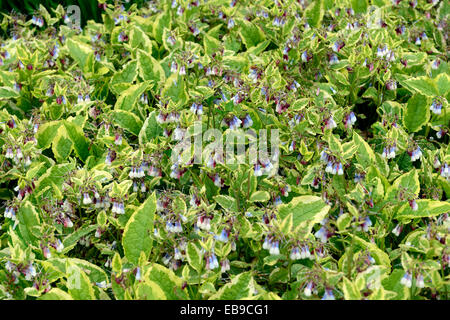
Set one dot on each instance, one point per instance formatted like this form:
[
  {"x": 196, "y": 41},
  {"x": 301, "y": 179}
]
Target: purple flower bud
[{"x": 413, "y": 204}]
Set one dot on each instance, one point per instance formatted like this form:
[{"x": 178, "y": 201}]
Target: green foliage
[{"x": 252, "y": 150}]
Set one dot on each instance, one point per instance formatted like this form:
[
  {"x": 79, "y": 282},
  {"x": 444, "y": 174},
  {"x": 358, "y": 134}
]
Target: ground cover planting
[{"x": 226, "y": 150}]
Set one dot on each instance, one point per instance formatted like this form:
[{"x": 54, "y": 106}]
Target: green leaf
[
  {"x": 443, "y": 84},
  {"x": 55, "y": 175},
  {"x": 128, "y": 121},
  {"x": 80, "y": 142},
  {"x": 226, "y": 202},
  {"x": 423, "y": 85},
  {"x": 393, "y": 284},
  {"x": 408, "y": 181},
  {"x": 162, "y": 21},
  {"x": 72, "y": 239},
  {"x": 127, "y": 75},
  {"x": 8, "y": 93},
  {"x": 78, "y": 283},
  {"x": 250, "y": 34},
  {"x": 150, "y": 68},
  {"x": 240, "y": 287},
  {"x": 305, "y": 211},
  {"x": 417, "y": 113},
  {"x": 364, "y": 153},
  {"x": 62, "y": 145},
  {"x": 379, "y": 255},
  {"x": 211, "y": 44},
  {"x": 343, "y": 221},
  {"x": 138, "y": 39},
  {"x": 259, "y": 196},
  {"x": 29, "y": 223},
  {"x": 175, "y": 89},
  {"x": 314, "y": 13},
  {"x": 149, "y": 290},
  {"x": 360, "y": 6},
  {"x": 426, "y": 208},
  {"x": 56, "y": 294},
  {"x": 129, "y": 97},
  {"x": 116, "y": 263},
  {"x": 137, "y": 233},
  {"x": 194, "y": 256},
  {"x": 167, "y": 281},
  {"x": 150, "y": 130},
  {"x": 350, "y": 290},
  {"x": 79, "y": 52},
  {"x": 47, "y": 133},
  {"x": 335, "y": 144}
]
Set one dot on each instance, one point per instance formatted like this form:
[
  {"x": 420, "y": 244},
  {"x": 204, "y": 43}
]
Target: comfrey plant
[{"x": 191, "y": 150}]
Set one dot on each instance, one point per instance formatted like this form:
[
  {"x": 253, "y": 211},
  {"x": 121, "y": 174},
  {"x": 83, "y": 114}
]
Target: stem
[
  {"x": 443, "y": 277},
  {"x": 350, "y": 258},
  {"x": 413, "y": 289},
  {"x": 290, "y": 273},
  {"x": 248, "y": 187},
  {"x": 199, "y": 282},
  {"x": 236, "y": 195},
  {"x": 209, "y": 113}
]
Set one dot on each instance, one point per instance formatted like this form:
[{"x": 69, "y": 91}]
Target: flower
[
  {"x": 330, "y": 123},
  {"x": 367, "y": 223},
  {"x": 436, "y": 107},
  {"x": 416, "y": 154},
  {"x": 211, "y": 262},
  {"x": 295, "y": 253},
  {"x": 305, "y": 253},
  {"x": 274, "y": 247},
  {"x": 46, "y": 252},
  {"x": 30, "y": 272},
  {"x": 397, "y": 230},
  {"x": 225, "y": 265},
  {"x": 406, "y": 279},
  {"x": 118, "y": 139},
  {"x": 218, "y": 182},
  {"x": 59, "y": 245},
  {"x": 86, "y": 199},
  {"x": 223, "y": 237},
  {"x": 277, "y": 201},
  {"x": 247, "y": 122},
  {"x": 322, "y": 234},
  {"x": 258, "y": 170},
  {"x": 197, "y": 109},
  {"x": 435, "y": 64},
  {"x": 305, "y": 57},
  {"x": 389, "y": 152},
  {"x": 333, "y": 59},
  {"x": 328, "y": 294},
  {"x": 308, "y": 288},
  {"x": 350, "y": 120},
  {"x": 68, "y": 223},
  {"x": 230, "y": 23},
  {"x": 9, "y": 153},
  {"x": 413, "y": 205},
  {"x": 171, "y": 40},
  {"x": 177, "y": 254},
  {"x": 391, "y": 85},
  {"x": 420, "y": 283},
  {"x": 122, "y": 37},
  {"x": 166, "y": 259},
  {"x": 204, "y": 222}
]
